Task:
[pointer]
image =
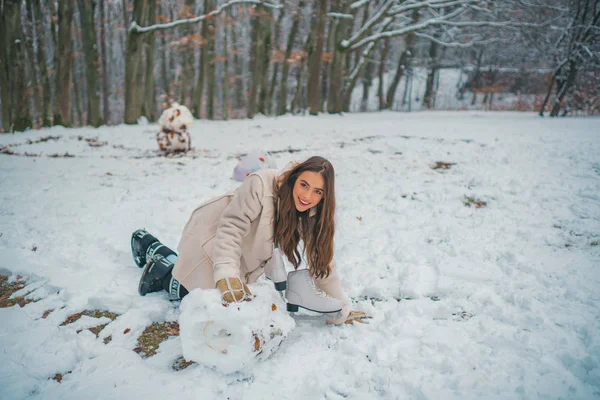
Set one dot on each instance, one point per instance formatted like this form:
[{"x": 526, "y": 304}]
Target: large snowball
[{"x": 233, "y": 337}]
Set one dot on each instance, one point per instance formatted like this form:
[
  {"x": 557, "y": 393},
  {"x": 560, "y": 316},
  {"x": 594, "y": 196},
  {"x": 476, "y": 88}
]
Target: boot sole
[
  {"x": 136, "y": 259},
  {"x": 294, "y": 308},
  {"x": 141, "y": 287}
]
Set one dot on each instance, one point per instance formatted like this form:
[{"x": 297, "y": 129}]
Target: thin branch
[
  {"x": 340, "y": 15},
  {"x": 375, "y": 18},
  {"x": 456, "y": 44},
  {"x": 348, "y": 44},
  {"x": 439, "y": 21},
  {"x": 430, "y": 4},
  {"x": 358, "y": 4},
  {"x": 134, "y": 27}
]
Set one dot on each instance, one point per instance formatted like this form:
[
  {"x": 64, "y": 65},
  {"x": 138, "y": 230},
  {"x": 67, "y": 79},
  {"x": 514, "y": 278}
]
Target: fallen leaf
[
  {"x": 126, "y": 331},
  {"x": 57, "y": 377},
  {"x": 34, "y": 248},
  {"x": 359, "y": 218},
  {"x": 273, "y": 307},
  {"x": 256, "y": 343}
]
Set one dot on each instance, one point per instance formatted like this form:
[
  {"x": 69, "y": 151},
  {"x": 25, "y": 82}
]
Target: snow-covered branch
[
  {"x": 455, "y": 44},
  {"x": 441, "y": 21},
  {"x": 430, "y": 4},
  {"x": 358, "y": 4},
  {"x": 375, "y": 18},
  {"x": 134, "y": 27},
  {"x": 365, "y": 54},
  {"x": 340, "y": 15}
]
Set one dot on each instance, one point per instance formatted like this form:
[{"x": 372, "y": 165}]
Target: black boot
[
  {"x": 157, "y": 248},
  {"x": 157, "y": 271},
  {"x": 140, "y": 242}
]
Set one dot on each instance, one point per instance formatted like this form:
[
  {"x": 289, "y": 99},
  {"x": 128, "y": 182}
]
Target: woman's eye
[
  {"x": 303, "y": 184},
  {"x": 319, "y": 192}
]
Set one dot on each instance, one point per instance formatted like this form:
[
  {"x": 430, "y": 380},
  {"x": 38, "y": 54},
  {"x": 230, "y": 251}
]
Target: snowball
[
  {"x": 252, "y": 162},
  {"x": 236, "y": 336},
  {"x": 176, "y": 118}
]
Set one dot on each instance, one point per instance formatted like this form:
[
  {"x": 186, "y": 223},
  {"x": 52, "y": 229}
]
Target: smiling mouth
[{"x": 302, "y": 203}]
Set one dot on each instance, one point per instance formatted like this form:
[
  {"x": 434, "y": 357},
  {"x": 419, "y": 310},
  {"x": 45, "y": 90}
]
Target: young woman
[{"x": 229, "y": 240}]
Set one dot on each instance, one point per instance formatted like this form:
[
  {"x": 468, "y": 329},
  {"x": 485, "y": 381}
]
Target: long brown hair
[{"x": 318, "y": 230}]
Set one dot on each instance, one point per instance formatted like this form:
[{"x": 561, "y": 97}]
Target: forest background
[{"x": 96, "y": 62}]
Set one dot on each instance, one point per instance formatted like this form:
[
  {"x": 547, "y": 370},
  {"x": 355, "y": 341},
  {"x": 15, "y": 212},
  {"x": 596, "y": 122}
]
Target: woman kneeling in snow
[{"x": 229, "y": 242}]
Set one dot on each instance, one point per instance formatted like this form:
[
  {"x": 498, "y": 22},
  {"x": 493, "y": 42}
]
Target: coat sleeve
[
  {"x": 332, "y": 285},
  {"x": 234, "y": 225}
]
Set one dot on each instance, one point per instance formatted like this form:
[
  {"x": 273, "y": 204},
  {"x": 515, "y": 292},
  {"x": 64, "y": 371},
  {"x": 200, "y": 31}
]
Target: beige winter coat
[{"x": 232, "y": 236}]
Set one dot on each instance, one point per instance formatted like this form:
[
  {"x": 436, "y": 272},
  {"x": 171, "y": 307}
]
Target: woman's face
[{"x": 308, "y": 190}]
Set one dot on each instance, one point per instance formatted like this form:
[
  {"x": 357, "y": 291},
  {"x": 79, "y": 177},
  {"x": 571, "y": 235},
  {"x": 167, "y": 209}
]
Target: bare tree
[
  {"x": 340, "y": 29},
  {"x": 15, "y": 101},
  {"x": 90, "y": 52},
  {"x": 149, "y": 98},
  {"x": 577, "y": 48},
  {"x": 210, "y": 61},
  {"x": 104, "y": 22},
  {"x": 315, "y": 61},
  {"x": 64, "y": 70},
  {"x": 283, "y": 90}
]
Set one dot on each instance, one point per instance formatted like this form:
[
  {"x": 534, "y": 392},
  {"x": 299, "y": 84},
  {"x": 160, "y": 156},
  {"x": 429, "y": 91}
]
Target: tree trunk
[
  {"x": 299, "y": 86},
  {"x": 149, "y": 99},
  {"x": 238, "y": 65},
  {"x": 380, "y": 73},
  {"x": 429, "y": 96},
  {"x": 164, "y": 61},
  {"x": 5, "y": 69},
  {"x": 204, "y": 59},
  {"x": 356, "y": 73},
  {"x": 90, "y": 53},
  {"x": 368, "y": 76},
  {"x": 37, "y": 19},
  {"x": 273, "y": 82},
  {"x": 315, "y": 63},
  {"x": 210, "y": 71},
  {"x": 105, "y": 83},
  {"x": 283, "y": 94},
  {"x": 64, "y": 70},
  {"x": 34, "y": 82},
  {"x": 403, "y": 63},
  {"x": 187, "y": 79},
  {"x": 266, "y": 22},
  {"x": 563, "y": 87},
  {"x": 226, "y": 76},
  {"x": 255, "y": 47},
  {"x": 14, "y": 83},
  {"x": 300, "y": 75},
  {"x": 336, "y": 78},
  {"x": 76, "y": 109},
  {"x": 133, "y": 64}
]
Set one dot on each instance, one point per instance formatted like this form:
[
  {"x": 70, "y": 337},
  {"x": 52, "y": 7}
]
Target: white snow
[
  {"x": 234, "y": 337},
  {"x": 497, "y": 302}
]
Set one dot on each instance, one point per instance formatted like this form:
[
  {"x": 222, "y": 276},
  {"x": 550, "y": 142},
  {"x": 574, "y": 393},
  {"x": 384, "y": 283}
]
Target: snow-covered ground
[{"x": 496, "y": 302}]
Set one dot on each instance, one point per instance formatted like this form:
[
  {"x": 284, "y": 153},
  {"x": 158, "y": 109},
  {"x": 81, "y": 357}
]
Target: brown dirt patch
[
  {"x": 154, "y": 335},
  {"x": 8, "y": 288}
]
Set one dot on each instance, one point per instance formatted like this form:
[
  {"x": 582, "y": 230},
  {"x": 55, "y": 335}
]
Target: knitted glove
[
  {"x": 357, "y": 316},
  {"x": 233, "y": 290}
]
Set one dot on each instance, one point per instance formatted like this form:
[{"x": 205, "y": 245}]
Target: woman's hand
[{"x": 233, "y": 290}]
